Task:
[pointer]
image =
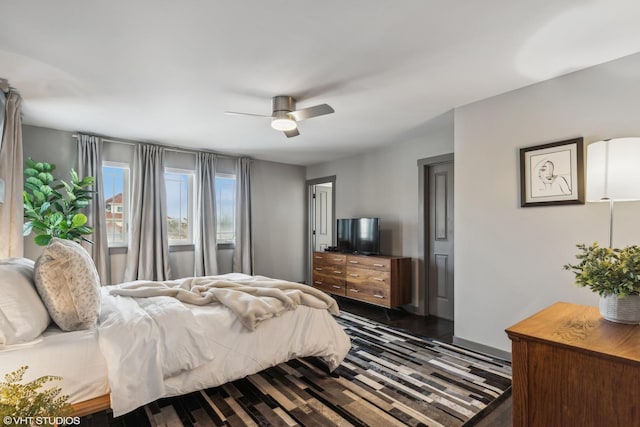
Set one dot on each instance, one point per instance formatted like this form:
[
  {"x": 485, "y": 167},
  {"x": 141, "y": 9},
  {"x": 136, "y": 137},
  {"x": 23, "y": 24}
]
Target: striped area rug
[{"x": 389, "y": 378}]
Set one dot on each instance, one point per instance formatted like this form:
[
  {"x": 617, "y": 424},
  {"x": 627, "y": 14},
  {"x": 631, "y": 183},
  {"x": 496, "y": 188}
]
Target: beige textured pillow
[
  {"x": 23, "y": 317},
  {"x": 69, "y": 285}
]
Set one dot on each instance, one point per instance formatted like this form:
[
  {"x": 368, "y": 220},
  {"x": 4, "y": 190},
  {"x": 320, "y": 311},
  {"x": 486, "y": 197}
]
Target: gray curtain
[
  {"x": 11, "y": 167},
  {"x": 243, "y": 253},
  {"x": 205, "y": 228},
  {"x": 90, "y": 164},
  {"x": 148, "y": 255}
]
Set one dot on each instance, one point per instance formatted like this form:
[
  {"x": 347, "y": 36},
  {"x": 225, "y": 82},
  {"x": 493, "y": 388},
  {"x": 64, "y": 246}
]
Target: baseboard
[{"x": 471, "y": 345}]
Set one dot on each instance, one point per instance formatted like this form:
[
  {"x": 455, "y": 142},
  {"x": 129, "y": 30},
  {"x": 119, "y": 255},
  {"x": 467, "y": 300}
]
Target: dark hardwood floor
[{"x": 431, "y": 327}]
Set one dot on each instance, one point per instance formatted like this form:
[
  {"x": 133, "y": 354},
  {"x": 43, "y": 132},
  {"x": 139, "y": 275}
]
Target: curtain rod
[{"x": 166, "y": 147}]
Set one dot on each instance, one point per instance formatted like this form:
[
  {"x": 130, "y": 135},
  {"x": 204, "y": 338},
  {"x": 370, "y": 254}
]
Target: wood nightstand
[{"x": 573, "y": 368}]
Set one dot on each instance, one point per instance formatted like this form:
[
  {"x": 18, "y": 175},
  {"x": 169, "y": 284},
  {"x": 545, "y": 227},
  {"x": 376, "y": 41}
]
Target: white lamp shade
[{"x": 613, "y": 170}]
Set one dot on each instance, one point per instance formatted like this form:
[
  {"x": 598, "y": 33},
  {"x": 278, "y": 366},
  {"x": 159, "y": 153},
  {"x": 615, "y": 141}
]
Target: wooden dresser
[
  {"x": 380, "y": 280},
  {"x": 573, "y": 368}
]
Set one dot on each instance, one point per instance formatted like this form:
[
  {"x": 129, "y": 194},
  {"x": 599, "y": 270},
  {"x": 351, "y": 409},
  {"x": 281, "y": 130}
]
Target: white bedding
[
  {"x": 74, "y": 356},
  {"x": 150, "y": 354}
]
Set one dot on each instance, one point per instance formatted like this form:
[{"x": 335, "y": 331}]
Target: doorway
[
  {"x": 321, "y": 196},
  {"x": 436, "y": 277}
]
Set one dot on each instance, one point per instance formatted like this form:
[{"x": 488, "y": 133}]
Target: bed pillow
[
  {"x": 23, "y": 316},
  {"x": 69, "y": 285}
]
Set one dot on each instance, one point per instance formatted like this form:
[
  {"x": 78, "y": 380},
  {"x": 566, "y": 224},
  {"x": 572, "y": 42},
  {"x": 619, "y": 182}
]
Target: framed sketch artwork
[{"x": 552, "y": 174}]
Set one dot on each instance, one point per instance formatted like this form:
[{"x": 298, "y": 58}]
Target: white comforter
[{"x": 158, "y": 346}]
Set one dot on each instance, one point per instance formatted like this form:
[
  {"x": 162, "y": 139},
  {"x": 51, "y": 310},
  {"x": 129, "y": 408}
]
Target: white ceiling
[{"x": 165, "y": 71}]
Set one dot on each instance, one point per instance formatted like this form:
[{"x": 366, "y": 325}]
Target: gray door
[{"x": 440, "y": 266}]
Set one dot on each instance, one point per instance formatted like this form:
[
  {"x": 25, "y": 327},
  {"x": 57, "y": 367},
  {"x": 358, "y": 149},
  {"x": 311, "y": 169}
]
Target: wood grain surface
[{"x": 573, "y": 368}]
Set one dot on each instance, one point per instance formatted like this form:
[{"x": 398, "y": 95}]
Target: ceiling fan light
[{"x": 283, "y": 124}]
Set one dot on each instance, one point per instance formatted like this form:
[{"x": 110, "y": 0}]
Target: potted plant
[
  {"x": 24, "y": 404},
  {"x": 615, "y": 275},
  {"x": 52, "y": 207}
]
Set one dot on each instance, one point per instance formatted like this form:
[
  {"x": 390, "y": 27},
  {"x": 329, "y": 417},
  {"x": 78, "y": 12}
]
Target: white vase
[{"x": 621, "y": 310}]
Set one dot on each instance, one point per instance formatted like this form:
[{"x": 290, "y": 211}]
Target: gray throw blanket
[{"x": 252, "y": 300}]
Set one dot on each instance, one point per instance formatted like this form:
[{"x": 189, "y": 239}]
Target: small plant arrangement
[
  {"x": 48, "y": 212},
  {"x": 24, "y": 401},
  {"x": 608, "y": 271}
]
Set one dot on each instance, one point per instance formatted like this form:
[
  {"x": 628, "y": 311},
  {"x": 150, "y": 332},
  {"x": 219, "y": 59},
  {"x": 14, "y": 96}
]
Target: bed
[{"x": 145, "y": 348}]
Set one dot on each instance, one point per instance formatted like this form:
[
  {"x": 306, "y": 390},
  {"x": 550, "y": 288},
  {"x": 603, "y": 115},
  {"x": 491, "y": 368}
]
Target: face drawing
[{"x": 545, "y": 173}]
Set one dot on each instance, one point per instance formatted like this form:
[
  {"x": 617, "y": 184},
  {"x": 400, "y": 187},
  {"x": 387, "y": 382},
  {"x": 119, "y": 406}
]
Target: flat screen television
[
  {"x": 345, "y": 238},
  {"x": 359, "y": 235}
]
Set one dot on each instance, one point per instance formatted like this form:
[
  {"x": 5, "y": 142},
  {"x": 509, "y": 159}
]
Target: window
[
  {"x": 179, "y": 184},
  {"x": 226, "y": 208},
  {"x": 116, "y": 200}
]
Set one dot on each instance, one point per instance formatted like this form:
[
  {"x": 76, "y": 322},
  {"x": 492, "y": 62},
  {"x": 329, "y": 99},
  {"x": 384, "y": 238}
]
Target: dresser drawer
[
  {"x": 369, "y": 292},
  {"x": 329, "y": 258},
  {"x": 328, "y": 284},
  {"x": 368, "y": 276},
  {"x": 329, "y": 270},
  {"x": 375, "y": 263}
]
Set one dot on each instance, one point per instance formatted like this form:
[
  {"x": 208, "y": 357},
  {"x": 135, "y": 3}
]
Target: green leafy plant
[
  {"x": 608, "y": 271},
  {"x": 24, "y": 400},
  {"x": 51, "y": 213}
]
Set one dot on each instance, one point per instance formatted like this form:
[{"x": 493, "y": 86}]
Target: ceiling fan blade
[
  {"x": 315, "y": 111},
  {"x": 234, "y": 113},
  {"x": 291, "y": 133}
]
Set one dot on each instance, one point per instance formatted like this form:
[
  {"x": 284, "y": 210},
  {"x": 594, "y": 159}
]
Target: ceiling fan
[{"x": 285, "y": 117}]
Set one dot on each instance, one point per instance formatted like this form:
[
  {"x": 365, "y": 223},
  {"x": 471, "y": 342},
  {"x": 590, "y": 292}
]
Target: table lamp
[{"x": 613, "y": 173}]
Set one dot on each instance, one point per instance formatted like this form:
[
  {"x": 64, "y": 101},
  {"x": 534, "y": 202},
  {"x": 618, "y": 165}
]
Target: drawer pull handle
[
  {"x": 379, "y": 296},
  {"x": 353, "y": 275},
  {"x": 378, "y": 265},
  {"x": 337, "y": 272},
  {"x": 354, "y": 262},
  {"x": 317, "y": 282},
  {"x": 318, "y": 268},
  {"x": 378, "y": 279},
  {"x": 355, "y": 290},
  {"x": 337, "y": 259},
  {"x": 337, "y": 287},
  {"x": 318, "y": 257}
]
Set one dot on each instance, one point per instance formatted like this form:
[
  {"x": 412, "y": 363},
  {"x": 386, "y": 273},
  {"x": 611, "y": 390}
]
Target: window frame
[
  {"x": 189, "y": 241},
  {"x": 126, "y": 201}
]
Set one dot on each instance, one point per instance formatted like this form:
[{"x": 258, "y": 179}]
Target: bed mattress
[
  {"x": 74, "y": 356},
  {"x": 117, "y": 357},
  {"x": 181, "y": 348}
]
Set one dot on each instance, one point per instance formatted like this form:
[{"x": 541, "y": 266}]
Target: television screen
[
  {"x": 345, "y": 235},
  {"x": 367, "y": 236}
]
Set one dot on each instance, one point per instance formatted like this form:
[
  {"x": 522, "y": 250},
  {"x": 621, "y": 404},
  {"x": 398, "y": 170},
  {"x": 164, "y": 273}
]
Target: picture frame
[{"x": 552, "y": 174}]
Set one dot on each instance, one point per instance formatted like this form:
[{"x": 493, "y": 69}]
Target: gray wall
[
  {"x": 278, "y": 206},
  {"x": 384, "y": 183},
  {"x": 509, "y": 259},
  {"x": 277, "y": 203}
]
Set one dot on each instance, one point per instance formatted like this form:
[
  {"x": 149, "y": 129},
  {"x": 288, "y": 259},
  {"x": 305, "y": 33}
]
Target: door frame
[
  {"x": 423, "y": 227},
  {"x": 310, "y": 183}
]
